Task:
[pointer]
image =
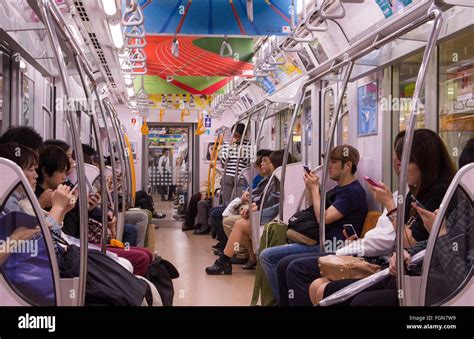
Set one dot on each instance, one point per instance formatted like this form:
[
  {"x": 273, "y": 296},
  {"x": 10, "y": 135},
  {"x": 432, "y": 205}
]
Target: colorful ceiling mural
[{"x": 270, "y": 17}]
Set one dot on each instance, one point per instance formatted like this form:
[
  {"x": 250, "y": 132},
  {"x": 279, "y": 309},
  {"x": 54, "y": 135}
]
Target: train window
[
  {"x": 450, "y": 264},
  {"x": 328, "y": 103},
  {"x": 456, "y": 92},
  {"x": 408, "y": 71},
  {"x": 27, "y": 100}
]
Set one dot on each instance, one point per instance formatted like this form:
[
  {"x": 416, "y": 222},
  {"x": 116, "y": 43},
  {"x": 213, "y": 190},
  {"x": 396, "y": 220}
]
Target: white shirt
[
  {"x": 164, "y": 163},
  {"x": 379, "y": 241}
]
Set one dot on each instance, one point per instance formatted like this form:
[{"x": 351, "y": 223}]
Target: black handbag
[
  {"x": 303, "y": 226},
  {"x": 107, "y": 283},
  {"x": 160, "y": 273}
]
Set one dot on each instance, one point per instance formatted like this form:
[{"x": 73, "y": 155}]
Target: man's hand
[
  {"x": 61, "y": 198},
  {"x": 93, "y": 200},
  {"x": 45, "y": 199},
  {"x": 311, "y": 181}
]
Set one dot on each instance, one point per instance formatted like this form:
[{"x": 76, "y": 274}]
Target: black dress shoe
[
  {"x": 202, "y": 230},
  {"x": 219, "y": 267},
  {"x": 250, "y": 265},
  {"x": 236, "y": 261},
  {"x": 218, "y": 251},
  {"x": 218, "y": 245}
]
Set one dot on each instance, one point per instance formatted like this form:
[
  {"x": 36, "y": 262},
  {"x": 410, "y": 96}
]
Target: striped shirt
[{"x": 229, "y": 153}]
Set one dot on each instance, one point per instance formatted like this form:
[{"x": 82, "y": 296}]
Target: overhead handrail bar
[
  {"x": 407, "y": 144},
  {"x": 324, "y": 15},
  {"x": 273, "y": 53}
]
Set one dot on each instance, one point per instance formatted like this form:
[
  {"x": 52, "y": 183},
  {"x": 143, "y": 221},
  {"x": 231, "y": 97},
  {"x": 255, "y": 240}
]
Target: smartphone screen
[
  {"x": 306, "y": 168},
  {"x": 415, "y": 200},
  {"x": 349, "y": 230},
  {"x": 372, "y": 182}
]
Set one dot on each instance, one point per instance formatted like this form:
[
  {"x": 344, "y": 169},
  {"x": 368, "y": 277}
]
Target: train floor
[{"x": 191, "y": 254}]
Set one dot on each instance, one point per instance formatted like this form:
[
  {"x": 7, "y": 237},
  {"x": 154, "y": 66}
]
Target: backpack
[
  {"x": 160, "y": 273},
  {"x": 274, "y": 234},
  {"x": 144, "y": 201}
]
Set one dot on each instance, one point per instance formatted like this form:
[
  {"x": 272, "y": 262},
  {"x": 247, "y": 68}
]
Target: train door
[
  {"x": 169, "y": 168},
  {"x": 4, "y": 88}
]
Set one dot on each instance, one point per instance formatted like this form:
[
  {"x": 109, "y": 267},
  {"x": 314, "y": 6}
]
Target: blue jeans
[
  {"x": 130, "y": 234},
  {"x": 270, "y": 257},
  {"x": 269, "y": 213}
]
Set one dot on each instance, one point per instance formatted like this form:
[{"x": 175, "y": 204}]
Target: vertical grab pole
[
  {"x": 225, "y": 165},
  {"x": 122, "y": 165},
  {"x": 126, "y": 165},
  {"x": 211, "y": 160},
  {"x": 104, "y": 111},
  {"x": 402, "y": 181},
  {"x": 45, "y": 7},
  {"x": 329, "y": 141},
  {"x": 237, "y": 173},
  {"x": 287, "y": 147},
  {"x": 213, "y": 180},
  {"x": 103, "y": 179},
  {"x": 253, "y": 227}
]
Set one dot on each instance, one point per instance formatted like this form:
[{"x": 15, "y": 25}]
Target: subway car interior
[{"x": 237, "y": 153}]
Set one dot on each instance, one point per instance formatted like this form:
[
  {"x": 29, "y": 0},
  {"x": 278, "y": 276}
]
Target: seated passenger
[
  {"x": 347, "y": 206},
  {"x": 23, "y": 135},
  {"x": 216, "y": 213},
  {"x": 27, "y": 159},
  {"x": 430, "y": 171},
  {"x": 296, "y": 272},
  {"x": 52, "y": 169},
  {"x": 241, "y": 230}
]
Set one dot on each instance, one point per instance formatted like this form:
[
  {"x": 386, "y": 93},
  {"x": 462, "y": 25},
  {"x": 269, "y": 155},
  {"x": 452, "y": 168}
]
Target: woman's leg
[
  {"x": 240, "y": 234},
  {"x": 240, "y": 231}
]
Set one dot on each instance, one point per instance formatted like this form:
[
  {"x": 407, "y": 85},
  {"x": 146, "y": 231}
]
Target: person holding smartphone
[{"x": 430, "y": 171}]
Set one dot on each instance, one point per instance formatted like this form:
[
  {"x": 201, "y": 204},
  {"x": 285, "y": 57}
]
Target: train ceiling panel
[
  {"x": 222, "y": 17},
  {"x": 28, "y": 35}
]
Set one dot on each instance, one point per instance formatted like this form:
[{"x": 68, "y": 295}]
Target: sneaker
[{"x": 219, "y": 267}]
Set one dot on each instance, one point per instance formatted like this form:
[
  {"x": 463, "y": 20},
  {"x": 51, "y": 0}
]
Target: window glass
[
  {"x": 456, "y": 92},
  {"x": 408, "y": 72}
]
